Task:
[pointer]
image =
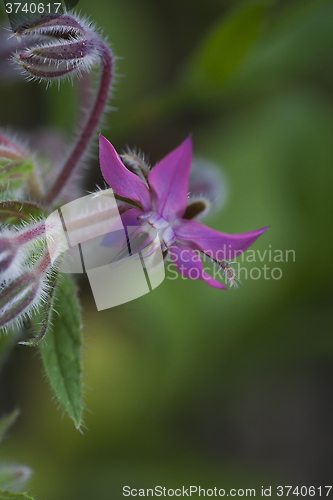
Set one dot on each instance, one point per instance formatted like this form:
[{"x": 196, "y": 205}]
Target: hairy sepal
[
  {"x": 59, "y": 47},
  {"x": 21, "y": 297}
]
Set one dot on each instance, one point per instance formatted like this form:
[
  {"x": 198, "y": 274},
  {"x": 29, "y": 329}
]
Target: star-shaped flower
[{"x": 160, "y": 198}]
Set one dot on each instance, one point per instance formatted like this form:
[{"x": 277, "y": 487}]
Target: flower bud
[
  {"x": 28, "y": 257},
  {"x": 18, "y": 297},
  {"x": 21, "y": 296},
  {"x": 64, "y": 26},
  {"x": 8, "y": 252},
  {"x": 15, "y": 248},
  {"x": 61, "y": 46}
]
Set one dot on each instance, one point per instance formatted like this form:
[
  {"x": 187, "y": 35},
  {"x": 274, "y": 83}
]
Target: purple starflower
[{"x": 159, "y": 198}]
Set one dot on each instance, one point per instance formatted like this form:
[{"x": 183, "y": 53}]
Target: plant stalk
[{"x": 89, "y": 129}]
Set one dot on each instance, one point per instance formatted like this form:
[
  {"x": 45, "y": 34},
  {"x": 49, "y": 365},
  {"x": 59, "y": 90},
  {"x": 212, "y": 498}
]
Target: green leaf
[
  {"x": 225, "y": 46},
  {"x": 61, "y": 352},
  {"x": 14, "y": 212},
  {"x": 6, "y": 422},
  {"x": 9, "y": 495}
]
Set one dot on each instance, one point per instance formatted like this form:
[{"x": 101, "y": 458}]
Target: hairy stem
[{"x": 89, "y": 129}]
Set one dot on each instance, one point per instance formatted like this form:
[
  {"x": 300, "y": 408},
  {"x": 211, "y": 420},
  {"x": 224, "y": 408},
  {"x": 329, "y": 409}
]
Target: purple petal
[
  {"x": 130, "y": 217},
  {"x": 169, "y": 181},
  {"x": 189, "y": 265},
  {"x": 220, "y": 246},
  {"x": 122, "y": 181}
]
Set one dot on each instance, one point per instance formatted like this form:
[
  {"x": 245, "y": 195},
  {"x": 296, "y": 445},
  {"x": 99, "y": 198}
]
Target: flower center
[{"x": 162, "y": 227}]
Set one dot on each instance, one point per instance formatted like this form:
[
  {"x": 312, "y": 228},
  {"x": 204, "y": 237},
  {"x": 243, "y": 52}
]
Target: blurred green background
[{"x": 188, "y": 384}]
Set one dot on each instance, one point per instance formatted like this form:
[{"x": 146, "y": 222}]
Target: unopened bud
[
  {"x": 64, "y": 46},
  {"x": 18, "y": 297},
  {"x": 8, "y": 252},
  {"x": 21, "y": 296},
  {"x": 63, "y": 26},
  {"x": 15, "y": 248}
]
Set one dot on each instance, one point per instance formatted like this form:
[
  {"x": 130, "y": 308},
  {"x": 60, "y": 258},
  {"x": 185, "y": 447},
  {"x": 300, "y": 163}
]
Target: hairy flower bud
[
  {"x": 63, "y": 26},
  {"x": 21, "y": 296},
  {"x": 8, "y": 253},
  {"x": 60, "y": 46},
  {"x": 29, "y": 255},
  {"x": 16, "y": 247},
  {"x": 18, "y": 297}
]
